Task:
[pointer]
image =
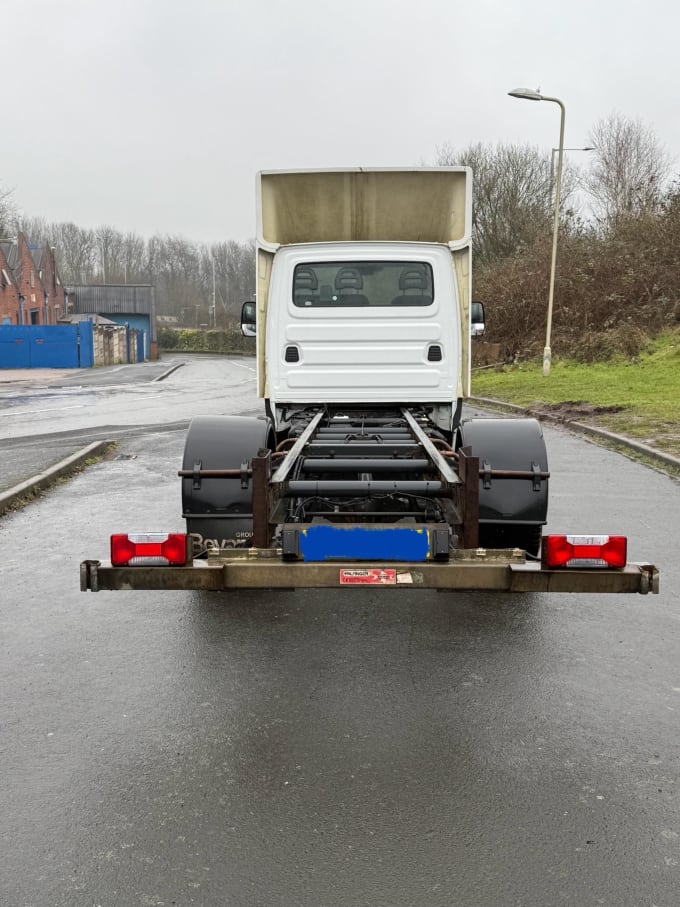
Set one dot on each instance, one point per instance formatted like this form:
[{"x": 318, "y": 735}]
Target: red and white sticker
[{"x": 373, "y": 577}]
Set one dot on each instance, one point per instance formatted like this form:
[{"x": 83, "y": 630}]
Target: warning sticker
[{"x": 373, "y": 577}]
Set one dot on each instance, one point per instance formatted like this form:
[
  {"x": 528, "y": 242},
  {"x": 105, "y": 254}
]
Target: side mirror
[
  {"x": 248, "y": 319},
  {"x": 477, "y": 325}
]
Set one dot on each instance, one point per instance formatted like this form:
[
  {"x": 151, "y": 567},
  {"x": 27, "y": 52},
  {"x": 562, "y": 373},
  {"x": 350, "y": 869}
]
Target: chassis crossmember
[{"x": 481, "y": 570}]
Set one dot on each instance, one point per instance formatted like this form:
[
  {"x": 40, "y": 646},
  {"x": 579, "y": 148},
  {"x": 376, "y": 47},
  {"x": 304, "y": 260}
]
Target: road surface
[{"x": 379, "y": 747}]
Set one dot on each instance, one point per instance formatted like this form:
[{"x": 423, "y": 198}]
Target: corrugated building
[{"x": 131, "y": 304}]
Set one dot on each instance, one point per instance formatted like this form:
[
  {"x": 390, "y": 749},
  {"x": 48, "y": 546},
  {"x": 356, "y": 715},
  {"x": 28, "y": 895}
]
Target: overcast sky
[{"x": 154, "y": 115}]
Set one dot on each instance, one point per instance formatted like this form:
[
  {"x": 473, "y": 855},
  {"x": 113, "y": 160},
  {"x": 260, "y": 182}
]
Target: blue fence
[{"x": 47, "y": 346}]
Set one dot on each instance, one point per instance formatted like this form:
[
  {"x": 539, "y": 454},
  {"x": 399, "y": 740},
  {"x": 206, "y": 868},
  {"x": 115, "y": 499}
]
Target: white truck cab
[
  {"x": 348, "y": 324},
  {"x": 363, "y": 281}
]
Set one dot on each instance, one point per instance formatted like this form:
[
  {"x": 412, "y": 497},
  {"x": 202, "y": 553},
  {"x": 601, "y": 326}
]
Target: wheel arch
[
  {"x": 219, "y": 510},
  {"x": 511, "y": 510}
]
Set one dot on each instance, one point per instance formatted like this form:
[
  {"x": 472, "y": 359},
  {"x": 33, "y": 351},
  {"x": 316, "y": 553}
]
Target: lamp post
[
  {"x": 554, "y": 152},
  {"x": 530, "y": 95},
  {"x": 214, "y": 310}
]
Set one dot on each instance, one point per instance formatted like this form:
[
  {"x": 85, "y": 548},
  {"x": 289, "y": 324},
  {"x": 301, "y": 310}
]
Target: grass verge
[{"x": 638, "y": 398}]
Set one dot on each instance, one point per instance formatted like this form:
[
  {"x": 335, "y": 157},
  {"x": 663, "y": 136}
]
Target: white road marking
[{"x": 32, "y": 412}]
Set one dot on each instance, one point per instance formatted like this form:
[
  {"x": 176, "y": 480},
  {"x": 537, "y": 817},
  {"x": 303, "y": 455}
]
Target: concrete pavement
[{"x": 35, "y": 375}]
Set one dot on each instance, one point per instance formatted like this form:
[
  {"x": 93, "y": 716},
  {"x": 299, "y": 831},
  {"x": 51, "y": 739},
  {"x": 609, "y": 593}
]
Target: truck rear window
[{"x": 363, "y": 283}]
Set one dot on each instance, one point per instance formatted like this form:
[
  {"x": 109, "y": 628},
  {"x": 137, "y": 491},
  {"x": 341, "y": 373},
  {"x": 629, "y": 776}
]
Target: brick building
[
  {"x": 9, "y": 293},
  {"x": 31, "y": 291}
]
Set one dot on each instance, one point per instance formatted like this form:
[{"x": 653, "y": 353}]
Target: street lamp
[
  {"x": 530, "y": 95},
  {"x": 554, "y": 152},
  {"x": 214, "y": 310}
]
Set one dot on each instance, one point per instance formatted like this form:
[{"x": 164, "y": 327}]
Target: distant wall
[
  {"x": 138, "y": 323},
  {"x": 110, "y": 344}
]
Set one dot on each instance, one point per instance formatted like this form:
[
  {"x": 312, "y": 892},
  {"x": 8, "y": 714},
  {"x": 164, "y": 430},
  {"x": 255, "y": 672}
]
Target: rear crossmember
[{"x": 478, "y": 570}]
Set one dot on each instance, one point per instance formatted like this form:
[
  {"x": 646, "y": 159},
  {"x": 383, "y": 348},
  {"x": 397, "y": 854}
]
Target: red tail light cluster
[
  {"x": 149, "y": 549},
  {"x": 584, "y": 551}
]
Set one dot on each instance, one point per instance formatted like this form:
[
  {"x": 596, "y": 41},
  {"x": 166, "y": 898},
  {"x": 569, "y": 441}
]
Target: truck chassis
[{"x": 355, "y": 497}]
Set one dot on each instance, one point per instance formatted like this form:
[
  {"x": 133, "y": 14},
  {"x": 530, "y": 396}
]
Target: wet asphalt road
[
  {"x": 70, "y": 409},
  {"x": 361, "y": 747}
]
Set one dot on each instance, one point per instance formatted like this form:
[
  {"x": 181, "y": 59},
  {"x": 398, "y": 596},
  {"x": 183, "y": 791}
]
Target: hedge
[{"x": 195, "y": 341}]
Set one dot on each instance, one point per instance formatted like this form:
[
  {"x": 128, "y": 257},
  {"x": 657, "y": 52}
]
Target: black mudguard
[
  {"x": 511, "y": 511},
  {"x": 218, "y": 511}
]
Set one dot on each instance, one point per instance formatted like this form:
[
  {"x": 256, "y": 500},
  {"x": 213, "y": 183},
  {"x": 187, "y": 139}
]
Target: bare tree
[
  {"x": 181, "y": 270},
  {"x": 234, "y": 276},
  {"x": 121, "y": 256},
  {"x": 8, "y": 213},
  {"x": 75, "y": 250},
  {"x": 35, "y": 228},
  {"x": 109, "y": 243},
  {"x": 134, "y": 258},
  {"x": 629, "y": 169},
  {"x": 180, "y": 290},
  {"x": 513, "y": 195}
]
